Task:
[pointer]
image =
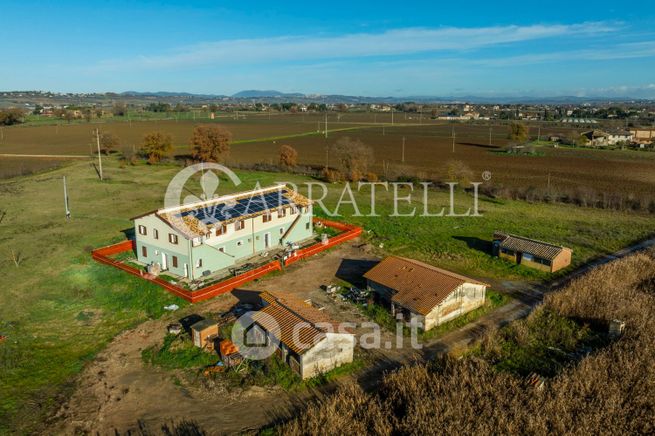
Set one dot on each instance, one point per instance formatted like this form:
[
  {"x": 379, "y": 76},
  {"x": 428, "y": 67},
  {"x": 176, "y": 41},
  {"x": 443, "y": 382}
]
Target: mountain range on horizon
[{"x": 256, "y": 94}]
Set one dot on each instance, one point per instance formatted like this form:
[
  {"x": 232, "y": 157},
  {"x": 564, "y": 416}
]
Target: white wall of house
[
  {"x": 333, "y": 351},
  {"x": 464, "y": 299}
]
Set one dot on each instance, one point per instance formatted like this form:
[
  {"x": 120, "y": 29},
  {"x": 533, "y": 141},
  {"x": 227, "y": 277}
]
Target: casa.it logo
[
  {"x": 180, "y": 194},
  {"x": 253, "y": 341}
]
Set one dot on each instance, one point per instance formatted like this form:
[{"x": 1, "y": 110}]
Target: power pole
[
  {"x": 68, "y": 212},
  {"x": 539, "y": 134},
  {"x": 99, "y": 155},
  {"x": 453, "y": 139},
  {"x": 403, "y": 152},
  {"x": 392, "y": 115},
  {"x": 326, "y": 132}
]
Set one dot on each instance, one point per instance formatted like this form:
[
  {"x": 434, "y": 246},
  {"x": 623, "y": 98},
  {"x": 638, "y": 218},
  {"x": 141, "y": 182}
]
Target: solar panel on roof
[{"x": 213, "y": 213}]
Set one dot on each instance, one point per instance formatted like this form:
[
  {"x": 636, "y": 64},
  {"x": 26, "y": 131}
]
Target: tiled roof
[
  {"x": 419, "y": 287},
  {"x": 543, "y": 250},
  {"x": 296, "y": 322}
]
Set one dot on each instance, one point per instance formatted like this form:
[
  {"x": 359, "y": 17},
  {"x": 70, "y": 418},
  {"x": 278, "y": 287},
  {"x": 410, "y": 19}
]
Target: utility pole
[
  {"x": 539, "y": 134},
  {"x": 392, "y": 115},
  {"x": 68, "y": 212},
  {"x": 99, "y": 155},
  {"x": 453, "y": 139},
  {"x": 403, "y": 151},
  {"x": 326, "y": 132}
]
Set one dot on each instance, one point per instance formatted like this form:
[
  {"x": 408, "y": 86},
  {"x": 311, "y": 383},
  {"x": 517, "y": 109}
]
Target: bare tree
[
  {"x": 210, "y": 143},
  {"x": 353, "y": 156},
  {"x": 108, "y": 142},
  {"x": 288, "y": 156}
]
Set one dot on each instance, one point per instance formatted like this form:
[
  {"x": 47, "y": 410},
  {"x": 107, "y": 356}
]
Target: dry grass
[{"x": 610, "y": 391}]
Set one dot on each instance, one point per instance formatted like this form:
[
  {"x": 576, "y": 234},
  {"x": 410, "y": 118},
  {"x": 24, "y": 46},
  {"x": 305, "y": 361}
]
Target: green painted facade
[{"x": 205, "y": 255}]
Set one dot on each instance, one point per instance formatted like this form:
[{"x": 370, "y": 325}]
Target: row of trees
[{"x": 208, "y": 144}]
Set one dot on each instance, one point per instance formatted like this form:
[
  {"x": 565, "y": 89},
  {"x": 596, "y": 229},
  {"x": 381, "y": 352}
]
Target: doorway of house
[
  {"x": 267, "y": 240},
  {"x": 164, "y": 261}
]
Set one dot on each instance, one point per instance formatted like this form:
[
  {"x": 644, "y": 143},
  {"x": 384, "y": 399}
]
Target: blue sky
[{"x": 367, "y": 48}]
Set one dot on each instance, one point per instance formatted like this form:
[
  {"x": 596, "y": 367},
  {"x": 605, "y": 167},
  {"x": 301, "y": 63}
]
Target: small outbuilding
[
  {"x": 422, "y": 293},
  {"x": 308, "y": 340},
  {"x": 531, "y": 252},
  {"x": 204, "y": 333}
]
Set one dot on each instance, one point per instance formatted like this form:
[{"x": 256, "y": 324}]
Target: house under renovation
[
  {"x": 308, "y": 340},
  {"x": 422, "y": 293},
  {"x": 197, "y": 239},
  {"x": 531, "y": 253}
]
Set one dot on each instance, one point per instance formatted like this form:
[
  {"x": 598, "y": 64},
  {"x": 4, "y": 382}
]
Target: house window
[
  {"x": 172, "y": 238},
  {"x": 222, "y": 249},
  {"x": 239, "y": 243},
  {"x": 143, "y": 230},
  {"x": 221, "y": 230},
  {"x": 293, "y": 210},
  {"x": 144, "y": 251},
  {"x": 155, "y": 233},
  {"x": 266, "y": 218},
  {"x": 174, "y": 259},
  {"x": 281, "y": 230},
  {"x": 306, "y": 226},
  {"x": 281, "y": 213},
  {"x": 528, "y": 257},
  {"x": 240, "y": 225},
  {"x": 199, "y": 263}
]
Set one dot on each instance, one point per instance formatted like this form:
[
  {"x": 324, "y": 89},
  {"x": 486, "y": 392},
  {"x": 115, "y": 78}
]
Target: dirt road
[{"x": 117, "y": 393}]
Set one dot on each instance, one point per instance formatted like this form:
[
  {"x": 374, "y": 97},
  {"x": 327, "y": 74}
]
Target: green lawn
[{"x": 58, "y": 308}]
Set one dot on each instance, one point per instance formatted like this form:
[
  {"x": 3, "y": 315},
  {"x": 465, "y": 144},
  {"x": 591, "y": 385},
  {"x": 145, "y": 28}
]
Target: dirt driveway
[{"x": 116, "y": 393}]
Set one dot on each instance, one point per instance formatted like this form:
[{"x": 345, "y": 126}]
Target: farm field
[
  {"x": 428, "y": 149},
  {"x": 60, "y": 308}
]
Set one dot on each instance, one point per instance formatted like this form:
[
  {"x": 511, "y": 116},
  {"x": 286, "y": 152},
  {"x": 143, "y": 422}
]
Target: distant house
[
  {"x": 200, "y": 238},
  {"x": 308, "y": 340},
  {"x": 424, "y": 293},
  {"x": 596, "y": 138},
  {"x": 531, "y": 253},
  {"x": 643, "y": 137},
  {"x": 599, "y": 138}
]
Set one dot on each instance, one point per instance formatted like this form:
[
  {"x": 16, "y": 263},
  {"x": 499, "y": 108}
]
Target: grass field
[{"x": 59, "y": 308}]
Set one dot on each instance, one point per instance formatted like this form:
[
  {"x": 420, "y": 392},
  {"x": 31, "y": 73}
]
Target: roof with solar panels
[{"x": 199, "y": 218}]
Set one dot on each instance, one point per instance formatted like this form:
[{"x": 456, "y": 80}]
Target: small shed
[
  {"x": 204, "y": 333},
  {"x": 531, "y": 252}
]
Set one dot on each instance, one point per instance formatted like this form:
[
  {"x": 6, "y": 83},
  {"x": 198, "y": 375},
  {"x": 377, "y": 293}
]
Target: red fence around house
[
  {"x": 102, "y": 255},
  {"x": 349, "y": 232}
]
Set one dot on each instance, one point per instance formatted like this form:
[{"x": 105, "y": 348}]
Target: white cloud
[{"x": 390, "y": 43}]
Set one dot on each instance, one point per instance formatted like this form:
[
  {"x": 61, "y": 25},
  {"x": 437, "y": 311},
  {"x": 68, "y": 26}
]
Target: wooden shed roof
[
  {"x": 419, "y": 287},
  {"x": 543, "y": 250}
]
